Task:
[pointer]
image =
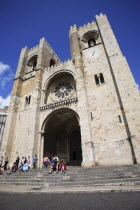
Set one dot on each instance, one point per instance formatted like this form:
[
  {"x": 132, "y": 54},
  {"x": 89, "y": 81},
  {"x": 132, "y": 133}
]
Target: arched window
[
  {"x": 96, "y": 79},
  {"x": 52, "y": 62},
  {"x": 102, "y": 78},
  {"x": 90, "y": 39},
  {"x": 99, "y": 79},
  {"x": 32, "y": 63},
  {"x": 27, "y": 100},
  {"x": 91, "y": 42}
]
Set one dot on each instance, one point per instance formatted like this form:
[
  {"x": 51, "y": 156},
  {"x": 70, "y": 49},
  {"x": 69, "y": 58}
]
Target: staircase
[{"x": 75, "y": 176}]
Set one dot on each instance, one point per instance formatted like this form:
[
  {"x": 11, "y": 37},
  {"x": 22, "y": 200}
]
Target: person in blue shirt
[
  {"x": 53, "y": 164},
  {"x": 35, "y": 159}
]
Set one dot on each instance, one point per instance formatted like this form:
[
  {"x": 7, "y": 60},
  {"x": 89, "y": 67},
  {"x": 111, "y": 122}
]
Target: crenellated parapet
[
  {"x": 102, "y": 16},
  {"x": 59, "y": 65},
  {"x": 87, "y": 27},
  {"x": 73, "y": 29},
  {"x": 32, "y": 51},
  {"x": 65, "y": 67}
]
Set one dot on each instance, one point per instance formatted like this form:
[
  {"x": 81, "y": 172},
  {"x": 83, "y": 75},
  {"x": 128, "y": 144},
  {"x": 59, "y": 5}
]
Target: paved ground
[{"x": 82, "y": 201}]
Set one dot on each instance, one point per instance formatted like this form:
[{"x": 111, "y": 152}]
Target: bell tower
[
  {"x": 23, "y": 115},
  {"x": 107, "y": 105}
]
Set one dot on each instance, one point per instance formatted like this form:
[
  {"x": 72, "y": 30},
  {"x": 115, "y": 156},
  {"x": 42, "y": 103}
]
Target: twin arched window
[{"x": 99, "y": 79}]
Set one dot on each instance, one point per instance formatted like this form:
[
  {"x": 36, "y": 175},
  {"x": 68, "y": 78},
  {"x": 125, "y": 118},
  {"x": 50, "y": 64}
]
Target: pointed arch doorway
[{"x": 62, "y": 136}]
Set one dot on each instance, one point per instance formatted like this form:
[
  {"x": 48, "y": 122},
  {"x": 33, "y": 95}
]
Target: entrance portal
[{"x": 62, "y": 136}]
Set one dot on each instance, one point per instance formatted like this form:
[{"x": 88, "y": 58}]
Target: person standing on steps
[
  {"x": 63, "y": 167},
  {"x": 46, "y": 161},
  {"x": 22, "y": 161},
  {"x": 6, "y": 163},
  {"x": 52, "y": 164},
  {"x": 17, "y": 161},
  {"x": 1, "y": 161},
  {"x": 57, "y": 163},
  {"x": 35, "y": 159}
]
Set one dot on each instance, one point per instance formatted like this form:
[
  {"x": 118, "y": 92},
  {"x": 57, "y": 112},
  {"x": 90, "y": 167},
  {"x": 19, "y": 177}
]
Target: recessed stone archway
[{"x": 62, "y": 136}]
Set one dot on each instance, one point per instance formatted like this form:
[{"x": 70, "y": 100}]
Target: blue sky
[{"x": 23, "y": 23}]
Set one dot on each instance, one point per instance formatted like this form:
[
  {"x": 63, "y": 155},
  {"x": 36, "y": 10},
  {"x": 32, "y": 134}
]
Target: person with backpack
[{"x": 52, "y": 164}]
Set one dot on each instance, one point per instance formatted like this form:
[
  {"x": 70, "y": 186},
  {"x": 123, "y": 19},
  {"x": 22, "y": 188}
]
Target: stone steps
[
  {"x": 69, "y": 184},
  {"x": 76, "y": 176},
  {"x": 58, "y": 178},
  {"x": 54, "y": 178}
]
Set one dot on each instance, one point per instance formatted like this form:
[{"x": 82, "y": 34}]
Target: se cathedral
[{"x": 86, "y": 110}]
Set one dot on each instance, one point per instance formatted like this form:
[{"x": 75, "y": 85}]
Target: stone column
[
  {"x": 40, "y": 150},
  {"x": 83, "y": 111}
]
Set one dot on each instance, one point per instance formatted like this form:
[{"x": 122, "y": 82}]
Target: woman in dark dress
[
  {"x": 5, "y": 164},
  {"x": 17, "y": 161}
]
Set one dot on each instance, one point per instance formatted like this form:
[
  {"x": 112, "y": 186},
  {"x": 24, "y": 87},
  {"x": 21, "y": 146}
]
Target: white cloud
[
  {"x": 3, "y": 67},
  {"x": 4, "y": 101},
  {"x": 6, "y": 79}
]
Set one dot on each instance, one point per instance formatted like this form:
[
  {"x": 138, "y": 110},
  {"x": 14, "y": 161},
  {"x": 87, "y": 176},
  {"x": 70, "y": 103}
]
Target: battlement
[
  {"x": 100, "y": 15},
  {"x": 83, "y": 28},
  {"x": 87, "y": 26},
  {"x": 72, "y": 29},
  {"x": 59, "y": 65},
  {"x": 33, "y": 48}
]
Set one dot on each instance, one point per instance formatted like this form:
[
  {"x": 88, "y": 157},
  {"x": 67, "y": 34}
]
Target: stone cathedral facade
[{"x": 86, "y": 110}]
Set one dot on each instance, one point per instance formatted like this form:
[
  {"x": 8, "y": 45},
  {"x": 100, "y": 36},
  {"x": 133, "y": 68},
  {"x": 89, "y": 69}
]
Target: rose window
[{"x": 63, "y": 89}]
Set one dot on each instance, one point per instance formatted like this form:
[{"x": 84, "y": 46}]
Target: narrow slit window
[
  {"x": 28, "y": 100},
  {"x": 120, "y": 119},
  {"x": 96, "y": 79},
  {"x": 102, "y": 78}
]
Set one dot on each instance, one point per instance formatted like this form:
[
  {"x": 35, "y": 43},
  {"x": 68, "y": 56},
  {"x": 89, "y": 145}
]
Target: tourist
[
  {"x": 46, "y": 161},
  {"x": 13, "y": 169},
  {"x": 25, "y": 160},
  {"x": 1, "y": 161},
  {"x": 17, "y": 161},
  {"x": 24, "y": 168},
  {"x": 1, "y": 172},
  {"x": 20, "y": 166},
  {"x": 5, "y": 163},
  {"x": 63, "y": 167},
  {"x": 57, "y": 163},
  {"x": 22, "y": 161},
  {"x": 52, "y": 164},
  {"x": 35, "y": 159}
]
